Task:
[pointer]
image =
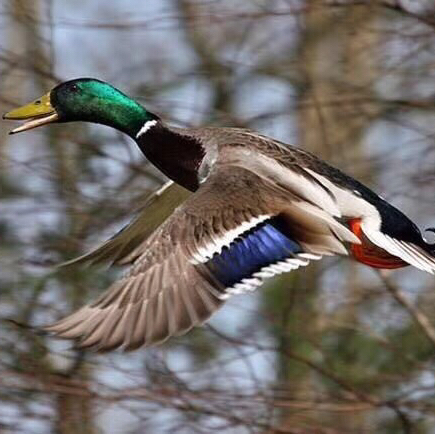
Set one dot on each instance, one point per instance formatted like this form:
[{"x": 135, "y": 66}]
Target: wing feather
[
  {"x": 171, "y": 286},
  {"x": 120, "y": 249}
]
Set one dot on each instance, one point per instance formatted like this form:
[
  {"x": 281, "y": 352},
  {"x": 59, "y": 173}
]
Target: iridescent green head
[{"x": 84, "y": 99}]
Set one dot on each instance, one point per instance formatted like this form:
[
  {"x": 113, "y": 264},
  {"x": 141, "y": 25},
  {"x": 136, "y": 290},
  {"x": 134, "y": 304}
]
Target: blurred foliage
[{"x": 333, "y": 348}]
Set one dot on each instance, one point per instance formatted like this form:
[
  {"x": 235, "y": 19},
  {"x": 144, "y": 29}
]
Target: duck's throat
[{"x": 177, "y": 155}]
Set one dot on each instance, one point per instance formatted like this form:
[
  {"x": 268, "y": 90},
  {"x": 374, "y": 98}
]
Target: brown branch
[{"x": 416, "y": 314}]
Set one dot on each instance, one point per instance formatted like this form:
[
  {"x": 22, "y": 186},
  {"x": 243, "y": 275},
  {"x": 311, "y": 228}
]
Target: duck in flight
[{"x": 240, "y": 209}]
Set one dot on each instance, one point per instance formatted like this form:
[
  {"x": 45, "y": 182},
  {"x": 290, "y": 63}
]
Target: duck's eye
[{"x": 74, "y": 88}]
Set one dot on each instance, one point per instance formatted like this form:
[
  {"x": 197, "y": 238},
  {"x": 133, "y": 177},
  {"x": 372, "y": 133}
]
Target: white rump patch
[{"x": 146, "y": 126}]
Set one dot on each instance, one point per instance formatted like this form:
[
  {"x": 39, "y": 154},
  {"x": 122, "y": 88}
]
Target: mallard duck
[{"x": 244, "y": 207}]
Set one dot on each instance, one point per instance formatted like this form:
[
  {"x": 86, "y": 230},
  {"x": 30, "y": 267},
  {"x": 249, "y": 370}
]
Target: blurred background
[{"x": 332, "y": 348}]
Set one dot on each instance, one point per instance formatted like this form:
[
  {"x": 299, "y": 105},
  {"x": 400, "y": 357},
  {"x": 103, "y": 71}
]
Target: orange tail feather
[{"x": 369, "y": 254}]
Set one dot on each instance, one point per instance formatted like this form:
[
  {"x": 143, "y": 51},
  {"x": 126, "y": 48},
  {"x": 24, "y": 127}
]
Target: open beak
[{"x": 37, "y": 113}]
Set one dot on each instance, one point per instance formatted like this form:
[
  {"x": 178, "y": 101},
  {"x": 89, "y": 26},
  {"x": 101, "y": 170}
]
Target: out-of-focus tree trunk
[
  {"x": 336, "y": 71},
  {"x": 73, "y": 415},
  {"x": 210, "y": 66}
]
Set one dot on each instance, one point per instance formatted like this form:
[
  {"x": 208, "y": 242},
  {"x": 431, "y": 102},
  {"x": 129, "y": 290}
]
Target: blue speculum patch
[{"x": 261, "y": 246}]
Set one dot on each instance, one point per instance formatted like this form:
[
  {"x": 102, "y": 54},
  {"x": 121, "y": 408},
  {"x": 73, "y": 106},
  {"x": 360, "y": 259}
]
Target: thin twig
[{"x": 417, "y": 315}]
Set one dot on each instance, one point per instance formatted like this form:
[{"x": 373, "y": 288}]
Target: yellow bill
[{"x": 37, "y": 113}]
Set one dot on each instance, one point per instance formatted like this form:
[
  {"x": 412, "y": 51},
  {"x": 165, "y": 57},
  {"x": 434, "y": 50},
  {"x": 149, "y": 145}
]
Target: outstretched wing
[
  {"x": 233, "y": 233},
  {"x": 157, "y": 208}
]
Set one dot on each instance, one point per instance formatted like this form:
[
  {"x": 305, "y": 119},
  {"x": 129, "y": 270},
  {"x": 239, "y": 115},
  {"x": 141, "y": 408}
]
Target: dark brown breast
[{"x": 177, "y": 155}]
